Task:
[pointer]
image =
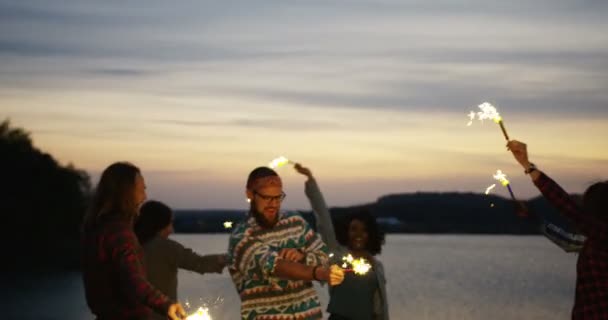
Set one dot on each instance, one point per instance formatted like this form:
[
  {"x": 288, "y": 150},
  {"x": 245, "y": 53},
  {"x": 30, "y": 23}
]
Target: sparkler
[
  {"x": 203, "y": 312},
  {"x": 278, "y": 162},
  {"x": 521, "y": 208},
  {"x": 488, "y": 112},
  {"x": 358, "y": 266},
  {"x": 227, "y": 224},
  {"x": 200, "y": 314}
]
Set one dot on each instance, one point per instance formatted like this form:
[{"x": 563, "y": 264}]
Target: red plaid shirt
[
  {"x": 114, "y": 276},
  {"x": 591, "y": 301}
]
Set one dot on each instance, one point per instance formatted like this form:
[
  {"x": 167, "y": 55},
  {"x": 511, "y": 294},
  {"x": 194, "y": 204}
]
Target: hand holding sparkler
[
  {"x": 176, "y": 312},
  {"x": 520, "y": 152},
  {"x": 336, "y": 275},
  {"x": 303, "y": 170}
]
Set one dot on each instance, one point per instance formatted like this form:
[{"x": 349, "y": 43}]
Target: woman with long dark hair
[
  {"x": 114, "y": 276},
  {"x": 359, "y": 297}
]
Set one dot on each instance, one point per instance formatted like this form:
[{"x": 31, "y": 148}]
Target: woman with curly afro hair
[{"x": 359, "y": 297}]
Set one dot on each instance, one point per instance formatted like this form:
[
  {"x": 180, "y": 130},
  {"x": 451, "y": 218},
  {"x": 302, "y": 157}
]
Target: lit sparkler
[
  {"x": 358, "y": 266},
  {"x": 200, "y": 314},
  {"x": 278, "y": 162},
  {"x": 488, "y": 112},
  {"x": 521, "y": 208},
  {"x": 227, "y": 224},
  {"x": 500, "y": 176}
]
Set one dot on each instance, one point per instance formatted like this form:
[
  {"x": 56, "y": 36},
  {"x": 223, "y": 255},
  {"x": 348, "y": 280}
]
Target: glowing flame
[
  {"x": 488, "y": 189},
  {"x": 278, "y": 162},
  {"x": 200, "y": 314},
  {"x": 359, "y": 266},
  {"x": 488, "y": 112},
  {"x": 227, "y": 224},
  {"x": 501, "y": 177}
]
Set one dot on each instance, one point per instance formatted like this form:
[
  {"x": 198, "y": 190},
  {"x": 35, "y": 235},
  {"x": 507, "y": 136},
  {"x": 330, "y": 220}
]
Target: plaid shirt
[
  {"x": 113, "y": 273},
  {"x": 591, "y": 301}
]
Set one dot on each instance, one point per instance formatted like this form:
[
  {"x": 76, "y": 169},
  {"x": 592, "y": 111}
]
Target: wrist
[
  {"x": 320, "y": 273},
  {"x": 530, "y": 167}
]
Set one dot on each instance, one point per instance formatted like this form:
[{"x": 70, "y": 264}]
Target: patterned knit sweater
[{"x": 253, "y": 252}]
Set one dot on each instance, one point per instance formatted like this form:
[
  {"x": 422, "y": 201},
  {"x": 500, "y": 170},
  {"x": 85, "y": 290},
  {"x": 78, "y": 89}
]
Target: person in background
[
  {"x": 359, "y": 297},
  {"x": 113, "y": 272},
  {"x": 591, "y": 296},
  {"x": 274, "y": 256},
  {"x": 163, "y": 256}
]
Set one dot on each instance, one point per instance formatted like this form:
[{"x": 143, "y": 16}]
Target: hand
[
  {"x": 336, "y": 275},
  {"x": 292, "y": 254},
  {"x": 520, "y": 152},
  {"x": 176, "y": 312},
  {"x": 303, "y": 170}
]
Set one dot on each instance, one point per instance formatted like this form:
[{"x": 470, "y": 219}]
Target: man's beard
[{"x": 261, "y": 220}]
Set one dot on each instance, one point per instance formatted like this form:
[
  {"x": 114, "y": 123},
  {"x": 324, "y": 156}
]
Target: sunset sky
[{"x": 373, "y": 96}]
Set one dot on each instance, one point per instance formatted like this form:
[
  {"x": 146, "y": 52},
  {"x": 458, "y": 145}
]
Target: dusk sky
[{"x": 373, "y": 96}]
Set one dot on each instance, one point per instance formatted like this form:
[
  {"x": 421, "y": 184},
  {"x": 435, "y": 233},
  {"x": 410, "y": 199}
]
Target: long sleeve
[
  {"x": 589, "y": 225},
  {"x": 314, "y": 248},
  {"x": 325, "y": 226},
  {"x": 124, "y": 249},
  {"x": 190, "y": 260}
]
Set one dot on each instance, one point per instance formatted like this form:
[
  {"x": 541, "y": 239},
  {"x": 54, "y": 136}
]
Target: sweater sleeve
[
  {"x": 190, "y": 260},
  {"x": 588, "y": 224},
  {"x": 325, "y": 226}
]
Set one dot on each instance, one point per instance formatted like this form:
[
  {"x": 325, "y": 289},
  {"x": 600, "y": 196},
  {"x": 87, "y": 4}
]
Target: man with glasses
[{"x": 274, "y": 256}]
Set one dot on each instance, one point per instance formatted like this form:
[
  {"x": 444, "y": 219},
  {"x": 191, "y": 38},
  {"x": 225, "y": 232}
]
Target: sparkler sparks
[
  {"x": 500, "y": 176},
  {"x": 227, "y": 224},
  {"x": 200, "y": 314},
  {"x": 488, "y": 112},
  {"x": 489, "y": 189},
  {"x": 278, "y": 162},
  {"x": 358, "y": 266}
]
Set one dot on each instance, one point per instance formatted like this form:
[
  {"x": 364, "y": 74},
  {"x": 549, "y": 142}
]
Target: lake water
[{"x": 429, "y": 277}]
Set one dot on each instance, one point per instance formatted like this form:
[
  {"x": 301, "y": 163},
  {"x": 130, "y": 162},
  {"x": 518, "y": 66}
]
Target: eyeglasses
[{"x": 268, "y": 198}]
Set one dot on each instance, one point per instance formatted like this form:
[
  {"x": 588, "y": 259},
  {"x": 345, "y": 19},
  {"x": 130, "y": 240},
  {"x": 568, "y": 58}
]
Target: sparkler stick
[{"x": 520, "y": 206}]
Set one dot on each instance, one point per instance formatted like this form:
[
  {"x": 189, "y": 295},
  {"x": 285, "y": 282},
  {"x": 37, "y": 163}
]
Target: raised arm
[
  {"x": 325, "y": 226},
  {"x": 554, "y": 193}
]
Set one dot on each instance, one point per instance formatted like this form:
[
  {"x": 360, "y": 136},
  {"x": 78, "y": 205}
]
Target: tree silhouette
[{"x": 42, "y": 202}]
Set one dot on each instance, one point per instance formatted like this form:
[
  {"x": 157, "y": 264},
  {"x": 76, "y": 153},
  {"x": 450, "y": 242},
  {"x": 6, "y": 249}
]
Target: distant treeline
[
  {"x": 452, "y": 213},
  {"x": 42, "y": 203}
]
